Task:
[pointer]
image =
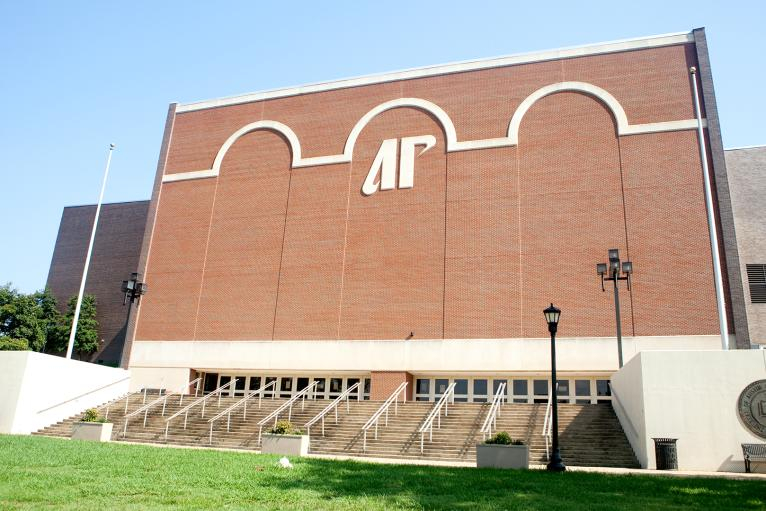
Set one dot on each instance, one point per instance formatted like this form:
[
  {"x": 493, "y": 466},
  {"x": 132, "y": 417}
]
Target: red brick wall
[
  {"x": 482, "y": 243},
  {"x": 384, "y": 383}
]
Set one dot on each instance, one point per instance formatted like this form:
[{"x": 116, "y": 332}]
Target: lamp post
[
  {"x": 552, "y": 315},
  {"x": 613, "y": 269}
]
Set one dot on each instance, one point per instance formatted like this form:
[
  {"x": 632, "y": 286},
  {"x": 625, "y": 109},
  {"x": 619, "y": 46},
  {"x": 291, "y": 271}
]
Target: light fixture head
[
  {"x": 614, "y": 254},
  {"x": 627, "y": 267},
  {"x": 552, "y": 315},
  {"x": 601, "y": 269}
]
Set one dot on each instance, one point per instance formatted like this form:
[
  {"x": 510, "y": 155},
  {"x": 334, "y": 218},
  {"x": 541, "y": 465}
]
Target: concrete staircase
[{"x": 590, "y": 435}]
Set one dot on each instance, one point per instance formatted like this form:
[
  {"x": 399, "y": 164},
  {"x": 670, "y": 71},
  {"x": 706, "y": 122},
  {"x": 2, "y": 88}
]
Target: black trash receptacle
[{"x": 665, "y": 453}]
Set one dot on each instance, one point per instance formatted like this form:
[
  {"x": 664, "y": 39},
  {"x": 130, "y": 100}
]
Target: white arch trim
[{"x": 450, "y": 134}]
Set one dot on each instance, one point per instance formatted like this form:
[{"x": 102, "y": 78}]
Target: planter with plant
[
  {"x": 501, "y": 451},
  {"x": 92, "y": 427},
  {"x": 285, "y": 439}
]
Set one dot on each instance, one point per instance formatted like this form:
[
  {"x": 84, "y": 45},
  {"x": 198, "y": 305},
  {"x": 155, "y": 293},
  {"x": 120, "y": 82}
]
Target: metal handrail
[
  {"x": 375, "y": 419},
  {"x": 289, "y": 406},
  {"x": 330, "y": 407},
  {"x": 148, "y": 406},
  {"x": 242, "y": 401},
  {"x": 494, "y": 411},
  {"x": 203, "y": 400},
  {"x": 86, "y": 394},
  {"x": 428, "y": 424}
]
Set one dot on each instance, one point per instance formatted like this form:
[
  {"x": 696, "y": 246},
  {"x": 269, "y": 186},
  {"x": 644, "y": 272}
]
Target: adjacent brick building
[
  {"x": 115, "y": 256},
  {"x": 412, "y": 226}
]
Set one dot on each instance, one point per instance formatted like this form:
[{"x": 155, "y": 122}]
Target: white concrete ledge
[{"x": 575, "y": 355}]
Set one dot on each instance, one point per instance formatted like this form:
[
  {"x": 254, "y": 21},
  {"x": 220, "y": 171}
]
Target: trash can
[{"x": 665, "y": 453}]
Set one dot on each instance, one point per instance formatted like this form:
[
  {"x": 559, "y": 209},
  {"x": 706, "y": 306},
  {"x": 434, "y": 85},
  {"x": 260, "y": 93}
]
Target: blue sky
[{"x": 76, "y": 76}]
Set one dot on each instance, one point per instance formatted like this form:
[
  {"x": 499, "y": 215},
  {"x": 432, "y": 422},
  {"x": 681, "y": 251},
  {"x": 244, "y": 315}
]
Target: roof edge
[{"x": 453, "y": 67}]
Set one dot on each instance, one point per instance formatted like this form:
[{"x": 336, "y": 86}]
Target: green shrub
[
  {"x": 10, "y": 344},
  {"x": 502, "y": 438},
  {"x": 285, "y": 428},
  {"x": 91, "y": 415}
]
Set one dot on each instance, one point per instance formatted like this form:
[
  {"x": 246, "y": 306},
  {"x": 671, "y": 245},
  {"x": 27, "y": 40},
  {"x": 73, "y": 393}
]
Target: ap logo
[{"x": 384, "y": 164}]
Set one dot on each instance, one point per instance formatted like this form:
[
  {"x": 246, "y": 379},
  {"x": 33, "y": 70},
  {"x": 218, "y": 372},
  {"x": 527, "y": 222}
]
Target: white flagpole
[
  {"x": 72, "y": 334},
  {"x": 722, "y": 320}
]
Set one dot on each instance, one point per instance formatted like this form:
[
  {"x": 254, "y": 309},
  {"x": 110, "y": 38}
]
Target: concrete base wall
[
  {"x": 575, "y": 355},
  {"x": 39, "y": 390},
  {"x": 691, "y": 396}
]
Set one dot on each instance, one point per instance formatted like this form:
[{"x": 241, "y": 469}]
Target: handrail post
[
  {"x": 145, "y": 389},
  {"x": 211, "y": 433}
]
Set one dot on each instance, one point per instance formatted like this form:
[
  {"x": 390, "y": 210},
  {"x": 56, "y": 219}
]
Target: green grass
[{"x": 47, "y": 473}]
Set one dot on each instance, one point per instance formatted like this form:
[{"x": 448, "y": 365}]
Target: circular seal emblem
[{"x": 752, "y": 407}]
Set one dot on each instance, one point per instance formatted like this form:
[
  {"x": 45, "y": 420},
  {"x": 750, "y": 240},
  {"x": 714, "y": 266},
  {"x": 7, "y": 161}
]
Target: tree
[
  {"x": 86, "y": 338},
  {"x": 52, "y": 320},
  {"x": 20, "y": 318}
]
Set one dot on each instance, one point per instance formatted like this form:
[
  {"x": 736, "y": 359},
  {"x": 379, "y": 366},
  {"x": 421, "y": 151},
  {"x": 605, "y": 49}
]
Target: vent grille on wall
[{"x": 756, "y": 277}]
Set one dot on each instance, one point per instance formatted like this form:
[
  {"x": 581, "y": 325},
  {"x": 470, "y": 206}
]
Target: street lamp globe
[{"x": 552, "y": 315}]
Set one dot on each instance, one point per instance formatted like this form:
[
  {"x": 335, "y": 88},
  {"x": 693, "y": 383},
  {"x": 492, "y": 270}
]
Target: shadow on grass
[{"x": 470, "y": 488}]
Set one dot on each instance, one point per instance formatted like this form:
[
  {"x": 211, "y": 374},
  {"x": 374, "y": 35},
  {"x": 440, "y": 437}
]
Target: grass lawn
[{"x": 47, "y": 473}]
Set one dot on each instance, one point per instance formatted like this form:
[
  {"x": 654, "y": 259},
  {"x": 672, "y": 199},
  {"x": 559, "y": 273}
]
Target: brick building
[
  {"x": 412, "y": 226},
  {"x": 116, "y": 250}
]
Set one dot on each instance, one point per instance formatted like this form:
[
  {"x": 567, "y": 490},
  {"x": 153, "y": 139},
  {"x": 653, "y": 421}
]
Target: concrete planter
[
  {"x": 97, "y": 431},
  {"x": 289, "y": 445},
  {"x": 502, "y": 456}
]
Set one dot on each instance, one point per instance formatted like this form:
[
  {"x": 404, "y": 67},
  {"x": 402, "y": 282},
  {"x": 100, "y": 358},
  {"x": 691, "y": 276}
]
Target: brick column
[{"x": 383, "y": 383}]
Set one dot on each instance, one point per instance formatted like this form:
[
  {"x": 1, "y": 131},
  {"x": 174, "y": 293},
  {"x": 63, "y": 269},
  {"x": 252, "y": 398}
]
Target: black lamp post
[
  {"x": 552, "y": 315},
  {"x": 613, "y": 269}
]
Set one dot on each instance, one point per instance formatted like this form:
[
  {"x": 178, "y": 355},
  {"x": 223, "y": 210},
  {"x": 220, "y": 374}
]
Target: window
[
  {"x": 255, "y": 383},
  {"x": 271, "y": 390},
  {"x": 320, "y": 385},
  {"x": 603, "y": 389},
  {"x": 520, "y": 391},
  {"x": 461, "y": 390},
  {"x": 540, "y": 388},
  {"x": 286, "y": 386},
  {"x": 239, "y": 387},
  {"x": 582, "y": 391},
  {"x": 336, "y": 384},
  {"x": 480, "y": 391},
  {"x": 756, "y": 277},
  {"x": 496, "y": 385},
  {"x": 562, "y": 390},
  {"x": 351, "y": 382},
  {"x": 211, "y": 379}
]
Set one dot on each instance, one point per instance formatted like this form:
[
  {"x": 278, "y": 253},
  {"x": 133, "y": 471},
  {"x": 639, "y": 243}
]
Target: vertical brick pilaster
[{"x": 383, "y": 383}]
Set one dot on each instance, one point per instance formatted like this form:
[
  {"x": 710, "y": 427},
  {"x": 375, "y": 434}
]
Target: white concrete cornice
[
  {"x": 417, "y": 356},
  {"x": 455, "y": 67}
]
